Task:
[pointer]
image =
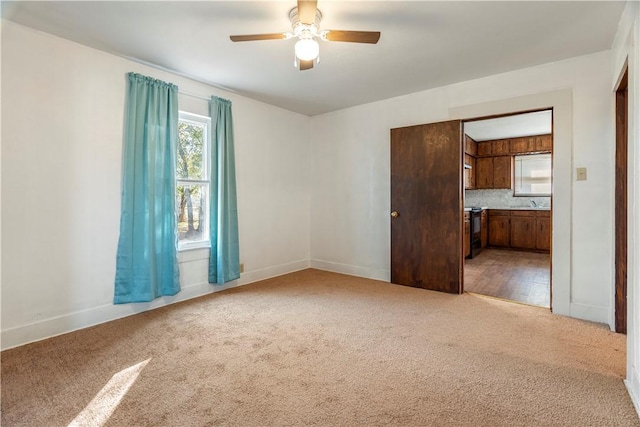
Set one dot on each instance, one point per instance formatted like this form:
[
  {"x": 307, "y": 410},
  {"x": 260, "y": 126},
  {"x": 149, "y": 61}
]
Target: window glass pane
[
  {"x": 533, "y": 174},
  {"x": 191, "y": 207},
  {"x": 190, "y": 146}
]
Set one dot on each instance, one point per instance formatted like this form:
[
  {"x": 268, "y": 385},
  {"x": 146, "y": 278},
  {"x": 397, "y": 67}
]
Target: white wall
[
  {"x": 625, "y": 50},
  {"x": 62, "y": 110},
  {"x": 350, "y": 205}
]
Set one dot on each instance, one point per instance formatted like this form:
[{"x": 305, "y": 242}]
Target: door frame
[{"x": 534, "y": 110}]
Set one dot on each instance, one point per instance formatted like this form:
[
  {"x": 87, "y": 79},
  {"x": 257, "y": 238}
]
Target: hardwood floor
[{"x": 512, "y": 275}]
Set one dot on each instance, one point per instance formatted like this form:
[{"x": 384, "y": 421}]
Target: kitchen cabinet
[
  {"x": 484, "y": 229},
  {"x": 497, "y": 147},
  {"x": 484, "y": 172},
  {"x": 543, "y": 230},
  {"x": 502, "y": 172},
  {"x": 470, "y": 146},
  {"x": 520, "y": 229},
  {"x": 499, "y": 229},
  {"x": 493, "y": 172},
  {"x": 484, "y": 149},
  {"x": 469, "y": 174},
  {"x": 523, "y": 230},
  {"x": 514, "y": 146},
  {"x": 544, "y": 143},
  {"x": 523, "y": 145},
  {"x": 467, "y": 235},
  {"x": 500, "y": 147}
]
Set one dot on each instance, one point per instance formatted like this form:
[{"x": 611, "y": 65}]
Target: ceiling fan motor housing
[{"x": 305, "y": 30}]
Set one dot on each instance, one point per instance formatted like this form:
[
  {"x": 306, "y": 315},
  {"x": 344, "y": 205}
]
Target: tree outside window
[{"x": 192, "y": 181}]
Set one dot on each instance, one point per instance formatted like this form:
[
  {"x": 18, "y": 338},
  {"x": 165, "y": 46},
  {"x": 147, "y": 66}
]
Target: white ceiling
[
  {"x": 527, "y": 124},
  {"x": 424, "y": 44}
]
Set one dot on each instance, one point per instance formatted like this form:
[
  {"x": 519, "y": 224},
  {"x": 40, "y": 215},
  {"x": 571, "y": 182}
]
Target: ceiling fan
[{"x": 305, "y": 24}]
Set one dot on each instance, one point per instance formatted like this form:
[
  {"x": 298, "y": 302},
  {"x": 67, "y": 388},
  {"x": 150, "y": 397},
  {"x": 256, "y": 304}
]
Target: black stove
[{"x": 476, "y": 231}]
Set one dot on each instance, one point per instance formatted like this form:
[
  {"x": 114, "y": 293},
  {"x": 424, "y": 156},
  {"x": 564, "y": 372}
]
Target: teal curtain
[
  {"x": 224, "y": 259},
  {"x": 146, "y": 263}
]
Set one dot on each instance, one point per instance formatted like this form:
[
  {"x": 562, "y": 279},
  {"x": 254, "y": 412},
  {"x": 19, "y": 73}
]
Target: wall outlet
[
  {"x": 241, "y": 268},
  {"x": 581, "y": 174}
]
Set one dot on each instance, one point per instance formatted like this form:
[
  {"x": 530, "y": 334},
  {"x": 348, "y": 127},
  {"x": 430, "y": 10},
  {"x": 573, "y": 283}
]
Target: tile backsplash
[{"x": 501, "y": 199}]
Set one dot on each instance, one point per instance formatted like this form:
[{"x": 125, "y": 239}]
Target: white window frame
[
  {"x": 516, "y": 192},
  {"x": 197, "y": 119}
]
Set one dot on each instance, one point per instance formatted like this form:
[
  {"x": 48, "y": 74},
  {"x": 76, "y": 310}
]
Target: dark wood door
[{"x": 426, "y": 204}]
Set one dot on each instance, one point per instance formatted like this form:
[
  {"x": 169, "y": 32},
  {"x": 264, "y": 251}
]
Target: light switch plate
[{"x": 581, "y": 174}]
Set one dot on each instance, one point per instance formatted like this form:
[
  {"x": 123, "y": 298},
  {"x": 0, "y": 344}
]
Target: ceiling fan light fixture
[{"x": 307, "y": 49}]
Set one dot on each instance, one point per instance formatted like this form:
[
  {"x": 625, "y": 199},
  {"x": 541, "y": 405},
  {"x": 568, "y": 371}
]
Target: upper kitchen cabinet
[
  {"x": 498, "y": 147},
  {"x": 469, "y": 172},
  {"x": 544, "y": 143},
  {"x": 470, "y": 146},
  {"x": 493, "y": 172},
  {"x": 531, "y": 144},
  {"x": 523, "y": 145}
]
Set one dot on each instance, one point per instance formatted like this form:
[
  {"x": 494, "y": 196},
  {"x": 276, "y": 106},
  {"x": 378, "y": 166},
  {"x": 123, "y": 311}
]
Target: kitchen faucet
[{"x": 533, "y": 204}]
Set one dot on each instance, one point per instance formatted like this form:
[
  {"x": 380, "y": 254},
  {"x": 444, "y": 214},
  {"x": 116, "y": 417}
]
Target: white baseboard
[
  {"x": 352, "y": 270},
  {"x": 590, "y": 312},
  {"x": 70, "y": 322}
]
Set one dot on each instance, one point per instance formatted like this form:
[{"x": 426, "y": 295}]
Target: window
[
  {"x": 192, "y": 178},
  {"x": 532, "y": 175}
]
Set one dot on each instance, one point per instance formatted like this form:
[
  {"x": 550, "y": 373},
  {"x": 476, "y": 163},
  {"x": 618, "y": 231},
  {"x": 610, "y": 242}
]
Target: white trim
[
  {"x": 562, "y": 103},
  {"x": 60, "y": 325},
  {"x": 352, "y": 270},
  {"x": 591, "y": 313},
  {"x": 205, "y": 123}
]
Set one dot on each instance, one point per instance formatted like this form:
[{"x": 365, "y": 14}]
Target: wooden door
[
  {"x": 484, "y": 172},
  {"x": 426, "y": 204},
  {"x": 502, "y": 172}
]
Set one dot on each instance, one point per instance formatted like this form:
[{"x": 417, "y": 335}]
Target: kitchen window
[
  {"x": 532, "y": 175},
  {"x": 193, "y": 179}
]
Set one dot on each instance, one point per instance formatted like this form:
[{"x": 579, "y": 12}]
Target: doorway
[{"x": 508, "y": 177}]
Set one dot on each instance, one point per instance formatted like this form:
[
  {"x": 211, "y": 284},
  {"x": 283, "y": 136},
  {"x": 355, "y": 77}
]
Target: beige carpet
[{"x": 317, "y": 348}]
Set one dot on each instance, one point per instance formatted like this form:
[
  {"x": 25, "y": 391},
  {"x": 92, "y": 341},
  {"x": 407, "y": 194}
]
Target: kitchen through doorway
[{"x": 508, "y": 206}]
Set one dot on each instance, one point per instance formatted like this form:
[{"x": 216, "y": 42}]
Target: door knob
[{"x": 395, "y": 214}]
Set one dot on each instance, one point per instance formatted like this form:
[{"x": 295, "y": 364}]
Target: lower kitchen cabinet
[
  {"x": 523, "y": 230},
  {"x": 520, "y": 229},
  {"x": 484, "y": 229},
  {"x": 467, "y": 235},
  {"x": 543, "y": 231},
  {"x": 499, "y": 228}
]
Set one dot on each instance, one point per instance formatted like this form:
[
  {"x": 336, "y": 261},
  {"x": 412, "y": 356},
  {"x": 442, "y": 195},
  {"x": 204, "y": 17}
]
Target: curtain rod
[{"x": 193, "y": 95}]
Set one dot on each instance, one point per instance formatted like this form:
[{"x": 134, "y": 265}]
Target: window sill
[{"x": 193, "y": 253}]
